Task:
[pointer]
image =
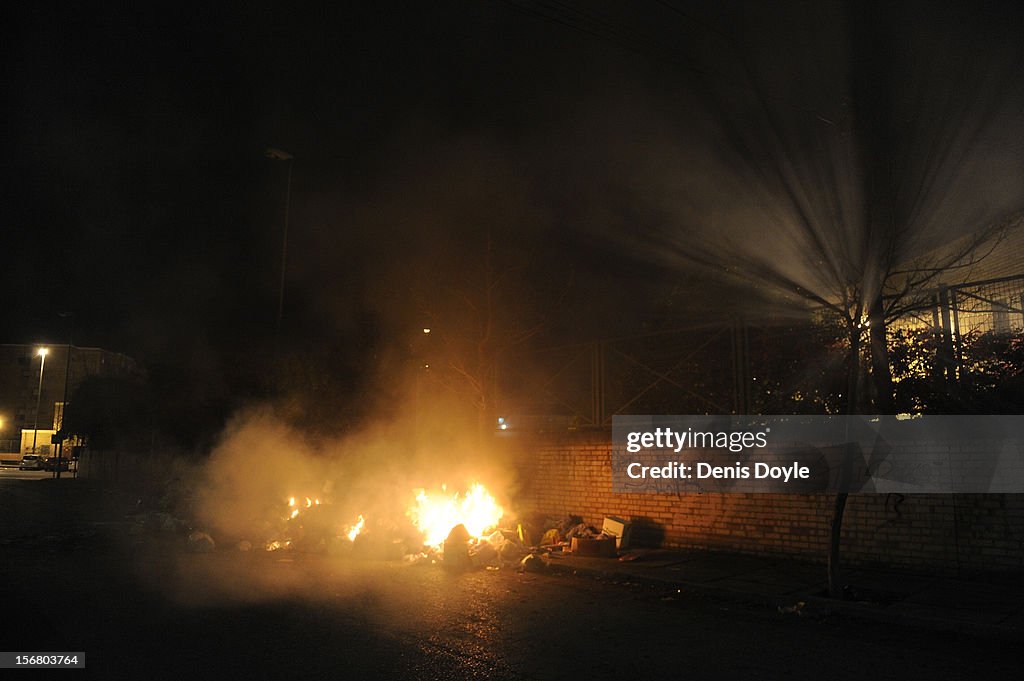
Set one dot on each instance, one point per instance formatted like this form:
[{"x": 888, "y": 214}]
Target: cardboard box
[
  {"x": 593, "y": 547},
  {"x": 618, "y": 528}
]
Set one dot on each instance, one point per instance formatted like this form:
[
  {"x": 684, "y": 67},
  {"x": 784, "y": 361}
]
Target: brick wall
[{"x": 950, "y": 534}]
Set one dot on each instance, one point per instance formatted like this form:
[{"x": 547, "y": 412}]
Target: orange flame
[
  {"x": 435, "y": 514},
  {"x": 353, "y": 531}
]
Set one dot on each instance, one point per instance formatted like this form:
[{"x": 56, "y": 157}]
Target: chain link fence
[{"x": 746, "y": 367}]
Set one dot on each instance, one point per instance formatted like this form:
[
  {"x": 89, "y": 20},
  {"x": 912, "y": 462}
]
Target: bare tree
[{"x": 899, "y": 146}]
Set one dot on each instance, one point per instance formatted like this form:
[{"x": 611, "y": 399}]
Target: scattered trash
[
  {"x": 525, "y": 535},
  {"x": 458, "y": 535},
  {"x": 456, "y": 549},
  {"x": 569, "y": 522},
  {"x": 533, "y": 563},
  {"x": 421, "y": 558},
  {"x": 200, "y": 542},
  {"x": 580, "y": 530},
  {"x": 551, "y": 537},
  {"x": 307, "y": 525},
  {"x": 512, "y": 553},
  {"x": 483, "y": 555},
  {"x": 618, "y": 528},
  {"x": 497, "y": 540}
]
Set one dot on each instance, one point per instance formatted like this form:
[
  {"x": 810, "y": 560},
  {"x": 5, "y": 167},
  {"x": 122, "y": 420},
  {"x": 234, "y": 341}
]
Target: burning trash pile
[
  {"x": 432, "y": 521},
  {"x": 305, "y": 524},
  {"x": 267, "y": 490},
  {"x": 472, "y": 531},
  {"x": 457, "y": 530},
  {"x": 529, "y": 545},
  {"x": 461, "y": 529}
]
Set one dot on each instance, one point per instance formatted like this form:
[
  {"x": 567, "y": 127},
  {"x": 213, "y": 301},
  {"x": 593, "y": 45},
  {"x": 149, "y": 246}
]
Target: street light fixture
[{"x": 42, "y": 352}]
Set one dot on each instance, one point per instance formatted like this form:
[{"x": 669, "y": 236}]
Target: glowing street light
[{"x": 42, "y": 352}]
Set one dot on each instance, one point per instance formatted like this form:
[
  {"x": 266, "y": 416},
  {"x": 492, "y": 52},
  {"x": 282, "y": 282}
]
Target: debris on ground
[
  {"x": 526, "y": 543},
  {"x": 533, "y": 563},
  {"x": 525, "y": 535},
  {"x": 200, "y": 542},
  {"x": 421, "y": 558},
  {"x": 580, "y": 530},
  {"x": 456, "y": 548},
  {"x": 484, "y": 555},
  {"x": 551, "y": 537}
]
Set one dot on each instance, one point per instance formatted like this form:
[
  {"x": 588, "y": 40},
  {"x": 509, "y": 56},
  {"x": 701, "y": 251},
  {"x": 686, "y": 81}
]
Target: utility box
[{"x": 618, "y": 528}]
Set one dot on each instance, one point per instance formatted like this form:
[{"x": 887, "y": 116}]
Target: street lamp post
[
  {"x": 278, "y": 155},
  {"x": 39, "y": 395},
  {"x": 64, "y": 405}
]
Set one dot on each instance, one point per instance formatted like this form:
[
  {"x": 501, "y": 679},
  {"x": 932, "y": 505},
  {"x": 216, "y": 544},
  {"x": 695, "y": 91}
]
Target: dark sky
[
  {"x": 137, "y": 195},
  {"x": 137, "y": 192}
]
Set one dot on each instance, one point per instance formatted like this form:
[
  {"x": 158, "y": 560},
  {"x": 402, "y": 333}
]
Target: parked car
[
  {"x": 31, "y": 462},
  {"x": 51, "y": 464}
]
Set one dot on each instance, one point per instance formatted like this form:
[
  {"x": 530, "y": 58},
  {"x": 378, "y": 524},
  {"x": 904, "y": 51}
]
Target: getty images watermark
[{"x": 818, "y": 454}]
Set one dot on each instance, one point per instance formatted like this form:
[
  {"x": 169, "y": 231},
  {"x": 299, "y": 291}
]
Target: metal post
[
  {"x": 946, "y": 352},
  {"x": 64, "y": 409},
  {"x": 39, "y": 396},
  {"x": 938, "y": 370},
  {"x": 957, "y": 346}
]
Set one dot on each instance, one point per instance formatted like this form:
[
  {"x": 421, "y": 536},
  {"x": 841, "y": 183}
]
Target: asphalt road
[
  {"x": 9, "y": 473},
  {"x": 144, "y": 608}
]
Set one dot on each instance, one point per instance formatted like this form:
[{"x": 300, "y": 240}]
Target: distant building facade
[{"x": 20, "y": 389}]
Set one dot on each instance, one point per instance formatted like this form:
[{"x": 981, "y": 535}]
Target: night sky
[
  {"x": 568, "y": 135},
  {"x": 137, "y": 191}
]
